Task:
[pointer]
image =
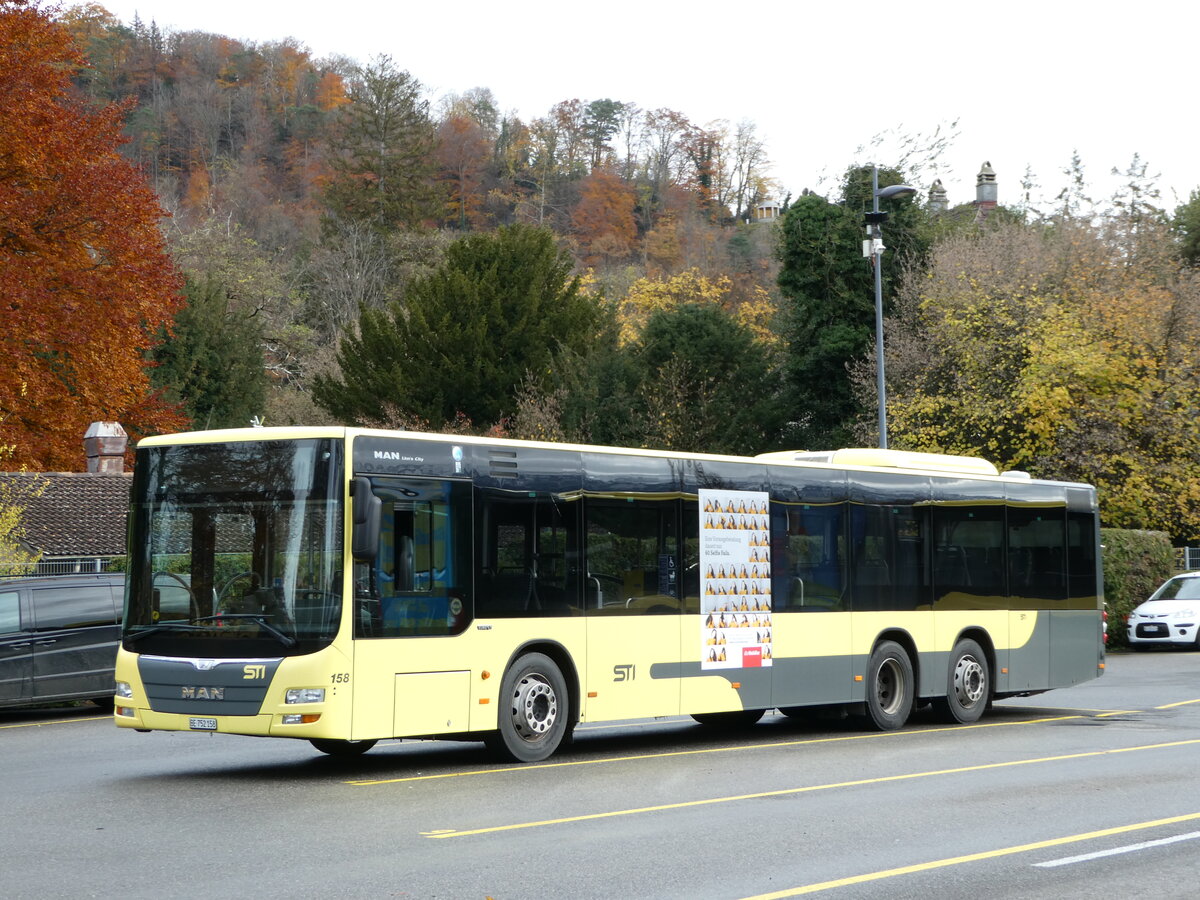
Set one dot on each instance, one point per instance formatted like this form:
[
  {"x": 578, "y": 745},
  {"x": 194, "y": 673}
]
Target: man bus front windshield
[{"x": 235, "y": 549}]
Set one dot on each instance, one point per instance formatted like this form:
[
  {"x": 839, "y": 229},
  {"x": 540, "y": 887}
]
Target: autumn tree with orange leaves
[
  {"x": 85, "y": 280},
  {"x": 603, "y": 218}
]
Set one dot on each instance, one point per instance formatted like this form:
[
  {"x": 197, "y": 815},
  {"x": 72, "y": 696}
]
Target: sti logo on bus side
[{"x": 188, "y": 692}]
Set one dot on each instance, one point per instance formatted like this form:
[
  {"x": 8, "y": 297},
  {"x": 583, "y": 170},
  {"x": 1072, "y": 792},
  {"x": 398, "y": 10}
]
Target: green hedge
[{"x": 1135, "y": 563}]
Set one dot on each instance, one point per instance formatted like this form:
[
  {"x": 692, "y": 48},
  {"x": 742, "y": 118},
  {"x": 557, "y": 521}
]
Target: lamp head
[{"x": 895, "y": 190}]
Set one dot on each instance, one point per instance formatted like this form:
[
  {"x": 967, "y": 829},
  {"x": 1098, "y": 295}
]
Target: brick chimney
[
  {"x": 986, "y": 192},
  {"x": 104, "y": 443},
  {"x": 938, "y": 199}
]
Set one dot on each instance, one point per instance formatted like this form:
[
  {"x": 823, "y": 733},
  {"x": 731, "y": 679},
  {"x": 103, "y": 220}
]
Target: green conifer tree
[
  {"x": 462, "y": 339},
  {"x": 212, "y": 360}
]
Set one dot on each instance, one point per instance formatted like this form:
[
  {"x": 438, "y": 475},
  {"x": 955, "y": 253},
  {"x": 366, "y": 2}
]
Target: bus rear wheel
[
  {"x": 968, "y": 684},
  {"x": 890, "y": 686},
  {"x": 534, "y": 711},
  {"x": 342, "y": 749}
]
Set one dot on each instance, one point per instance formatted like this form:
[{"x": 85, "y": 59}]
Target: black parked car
[{"x": 58, "y": 638}]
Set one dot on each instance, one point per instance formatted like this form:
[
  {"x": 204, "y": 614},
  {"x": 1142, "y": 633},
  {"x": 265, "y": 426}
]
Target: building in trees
[
  {"x": 70, "y": 521},
  {"x": 986, "y": 202},
  {"x": 938, "y": 198},
  {"x": 986, "y": 192},
  {"x": 767, "y": 212}
]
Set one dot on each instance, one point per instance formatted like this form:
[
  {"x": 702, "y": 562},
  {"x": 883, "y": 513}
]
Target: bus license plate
[{"x": 202, "y": 724}]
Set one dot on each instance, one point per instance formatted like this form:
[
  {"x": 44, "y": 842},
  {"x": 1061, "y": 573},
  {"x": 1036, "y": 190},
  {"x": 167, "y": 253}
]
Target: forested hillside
[
  {"x": 341, "y": 246},
  {"x": 310, "y": 189}
]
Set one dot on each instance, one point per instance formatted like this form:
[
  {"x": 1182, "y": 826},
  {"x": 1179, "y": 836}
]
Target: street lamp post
[{"x": 873, "y": 248}]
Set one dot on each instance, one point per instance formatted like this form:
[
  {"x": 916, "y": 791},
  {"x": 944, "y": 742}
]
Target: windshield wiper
[
  {"x": 260, "y": 618},
  {"x": 164, "y": 626}
]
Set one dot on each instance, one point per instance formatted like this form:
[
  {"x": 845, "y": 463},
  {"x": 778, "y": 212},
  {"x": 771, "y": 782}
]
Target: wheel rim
[
  {"x": 889, "y": 686},
  {"x": 970, "y": 682},
  {"x": 535, "y": 707}
]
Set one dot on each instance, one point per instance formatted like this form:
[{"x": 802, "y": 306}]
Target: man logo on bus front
[{"x": 187, "y": 692}]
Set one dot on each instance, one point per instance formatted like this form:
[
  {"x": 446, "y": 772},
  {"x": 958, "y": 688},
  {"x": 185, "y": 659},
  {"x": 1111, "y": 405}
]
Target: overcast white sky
[{"x": 1029, "y": 81}]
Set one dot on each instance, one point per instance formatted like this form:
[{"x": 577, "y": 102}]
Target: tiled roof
[{"x": 76, "y": 513}]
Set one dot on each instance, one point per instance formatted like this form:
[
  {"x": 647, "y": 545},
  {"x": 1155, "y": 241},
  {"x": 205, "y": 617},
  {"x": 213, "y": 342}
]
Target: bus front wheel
[
  {"x": 890, "y": 686},
  {"x": 534, "y": 710},
  {"x": 968, "y": 684}
]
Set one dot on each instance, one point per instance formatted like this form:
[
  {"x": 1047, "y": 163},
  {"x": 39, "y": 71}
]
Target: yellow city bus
[{"x": 345, "y": 586}]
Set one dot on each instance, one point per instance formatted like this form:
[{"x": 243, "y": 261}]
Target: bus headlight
[
  {"x": 123, "y": 689},
  {"x": 305, "y": 695}
]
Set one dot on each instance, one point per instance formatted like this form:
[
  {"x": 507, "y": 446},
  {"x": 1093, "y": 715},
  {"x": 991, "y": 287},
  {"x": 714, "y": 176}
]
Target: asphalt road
[{"x": 1083, "y": 792}]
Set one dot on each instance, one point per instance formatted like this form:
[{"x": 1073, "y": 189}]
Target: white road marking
[{"x": 1128, "y": 848}]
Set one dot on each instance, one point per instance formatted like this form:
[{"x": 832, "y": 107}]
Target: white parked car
[{"x": 1170, "y": 617}]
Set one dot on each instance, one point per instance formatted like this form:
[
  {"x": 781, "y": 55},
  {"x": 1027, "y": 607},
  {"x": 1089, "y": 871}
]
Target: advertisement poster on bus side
[{"x": 735, "y": 579}]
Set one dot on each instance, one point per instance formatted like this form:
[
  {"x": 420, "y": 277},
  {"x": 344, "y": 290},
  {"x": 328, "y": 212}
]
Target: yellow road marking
[
  {"x": 941, "y": 729},
  {"x": 1180, "y": 703},
  {"x": 973, "y": 857},
  {"x": 55, "y": 722},
  {"x": 710, "y": 801},
  {"x": 1078, "y": 709}
]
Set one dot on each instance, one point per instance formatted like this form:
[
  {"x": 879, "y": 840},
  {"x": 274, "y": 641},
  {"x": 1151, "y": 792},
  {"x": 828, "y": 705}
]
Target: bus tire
[
  {"x": 342, "y": 749},
  {"x": 968, "y": 684},
  {"x": 534, "y": 711},
  {"x": 890, "y": 686},
  {"x": 739, "y": 718}
]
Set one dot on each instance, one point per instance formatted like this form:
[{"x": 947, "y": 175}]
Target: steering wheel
[
  {"x": 182, "y": 583},
  {"x": 187, "y": 587},
  {"x": 224, "y": 590}
]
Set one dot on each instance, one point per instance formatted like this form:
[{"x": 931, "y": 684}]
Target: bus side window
[
  {"x": 528, "y": 557},
  {"x": 968, "y": 552},
  {"x": 1036, "y": 541},
  {"x": 420, "y": 583},
  {"x": 812, "y": 569},
  {"x": 632, "y": 556}
]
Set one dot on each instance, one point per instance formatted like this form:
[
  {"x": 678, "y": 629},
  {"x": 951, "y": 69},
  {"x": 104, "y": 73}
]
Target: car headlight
[
  {"x": 1185, "y": 614},
  {"x": 305, "y": 695}
]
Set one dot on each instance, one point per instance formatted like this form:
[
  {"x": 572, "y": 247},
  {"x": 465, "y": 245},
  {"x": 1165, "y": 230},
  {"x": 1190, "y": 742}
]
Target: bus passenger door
[
  {"x": 410, "y": 602},
  {"x": 632, "y": 602},
  {"x": 813, "y": 636}
]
